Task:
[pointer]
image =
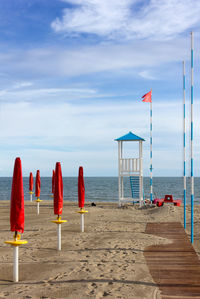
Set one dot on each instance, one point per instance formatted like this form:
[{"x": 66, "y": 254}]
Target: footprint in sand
[
  {"x": 110, "y": 283},
  {"x": 88, "y": 270},
  {"x": 6, "y": 294},
  {"x": 94, "y": 285},
  {"x": 92, "y": 288},
  {"x": 106, "y": 294}
]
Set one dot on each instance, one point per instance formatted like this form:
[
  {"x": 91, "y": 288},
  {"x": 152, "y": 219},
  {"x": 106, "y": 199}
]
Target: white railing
[{"x": 129, "y": 165}]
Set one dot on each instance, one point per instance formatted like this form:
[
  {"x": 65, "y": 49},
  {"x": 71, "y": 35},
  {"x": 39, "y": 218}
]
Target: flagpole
[
  {"x": 191, "y": 149},
  {"x": 184, "y": 151},
  {"x": 151, "y": 153}
]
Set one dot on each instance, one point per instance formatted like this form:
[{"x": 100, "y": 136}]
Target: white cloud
[
  {"x": 129, "y": 19},
  {"x": 99, "y": 17},
  {"x": 13, "y": 87},
  {"x": 93, "y": 59},
  {"x": 42, "y": 95},
  {"x": 20, "y": 85},
  {"x": 146, "y": 74}
]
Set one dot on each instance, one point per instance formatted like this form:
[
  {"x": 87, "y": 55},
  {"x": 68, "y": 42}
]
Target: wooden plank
[{"x": 175, "y": 267}]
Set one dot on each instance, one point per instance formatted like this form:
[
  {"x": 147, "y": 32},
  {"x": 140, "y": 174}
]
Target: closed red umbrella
[
  {"x": 58, "y": 201},
  {"x": 58, "y": 191},
  {"x": 17, "y": 215},
  {"x": 37, "y": 184},
  {"x": 81, "y": 188},
  {"x": 17, "y": 199},
  {"x": 53, "y": 181},
  {"x": 31, "y": 182},
  {"x": 81, "y": 196}
]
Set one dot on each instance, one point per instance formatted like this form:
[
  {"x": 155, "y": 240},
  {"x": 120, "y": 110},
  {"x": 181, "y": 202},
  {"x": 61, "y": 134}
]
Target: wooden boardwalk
[{"x": 175, "y": 267}]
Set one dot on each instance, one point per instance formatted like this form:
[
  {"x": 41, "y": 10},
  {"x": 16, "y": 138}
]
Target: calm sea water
[{"x": 105, "y": 188}]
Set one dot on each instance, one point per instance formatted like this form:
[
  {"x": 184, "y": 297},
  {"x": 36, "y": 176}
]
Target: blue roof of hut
[{"x": 130, "y": 137}]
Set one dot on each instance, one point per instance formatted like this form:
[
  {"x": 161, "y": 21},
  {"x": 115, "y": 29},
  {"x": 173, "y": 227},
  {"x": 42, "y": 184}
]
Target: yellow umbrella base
[
  {"x": 38, "y": 200},
  {"x": 16, "y": 242},
  {"x": 82, "y": 212},
  {"x": 58, "y": 221}
]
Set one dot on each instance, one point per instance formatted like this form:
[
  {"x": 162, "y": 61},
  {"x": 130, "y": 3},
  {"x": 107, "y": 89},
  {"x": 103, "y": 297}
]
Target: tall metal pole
[
  {"x": 184, "y": 151},
  {"x": 141, "y": 173},
  {"x": 151, "y": 155},
  {"x": 119, "y": 172},
  {"x": 192, "y": 164}
]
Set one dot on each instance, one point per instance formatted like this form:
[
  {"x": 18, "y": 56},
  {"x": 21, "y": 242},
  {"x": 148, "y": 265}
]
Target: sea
[{"x": 105, "y": 189}]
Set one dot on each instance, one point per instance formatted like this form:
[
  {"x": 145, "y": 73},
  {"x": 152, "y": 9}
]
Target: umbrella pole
[
  {"x": 38, "y": 208},
  {"x": 82, "y": 212},
  {"x": 38, "y": 205},
  {"x": 31, "y": 196},
  {"x": 15, "y": 244},
  {"x": 15, "y": 263},
  {"x": 82, "y": 223},
  {"x": 59, "y": 222},
  {"x": 59, "y": 236}
]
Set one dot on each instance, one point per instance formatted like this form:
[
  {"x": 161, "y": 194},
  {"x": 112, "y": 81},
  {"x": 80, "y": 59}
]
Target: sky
[{"x": 72, "y": 74}]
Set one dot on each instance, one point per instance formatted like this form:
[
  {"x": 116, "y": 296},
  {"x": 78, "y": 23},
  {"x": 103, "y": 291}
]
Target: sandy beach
[{"x": 105, "y": 261}]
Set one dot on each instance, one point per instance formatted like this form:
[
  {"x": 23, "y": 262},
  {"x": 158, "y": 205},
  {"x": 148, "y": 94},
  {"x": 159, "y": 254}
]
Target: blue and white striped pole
[
  {"x": 184, "y": 151},
  {"x": 191, "y": 149},
  {"x": 151, "y": 153}
]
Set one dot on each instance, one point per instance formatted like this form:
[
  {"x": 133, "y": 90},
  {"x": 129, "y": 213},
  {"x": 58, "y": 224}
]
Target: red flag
[
  {"x": 37, "y": 184},
  {"x": 58, "y": 191},
  {"x": 17, "y": 199},
  {"x": 31, "y": 182},
  {"x": 147, "y": 97},
  {"x": 53, "y": 181},
  {"x": 81, "y": 188}
]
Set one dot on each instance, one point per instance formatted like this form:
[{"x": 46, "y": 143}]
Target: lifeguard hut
[{"x": 130, "y": 167}]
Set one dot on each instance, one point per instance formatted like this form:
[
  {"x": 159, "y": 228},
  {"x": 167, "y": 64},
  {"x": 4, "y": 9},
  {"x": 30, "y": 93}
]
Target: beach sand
[{"x": 105, "y": 261}]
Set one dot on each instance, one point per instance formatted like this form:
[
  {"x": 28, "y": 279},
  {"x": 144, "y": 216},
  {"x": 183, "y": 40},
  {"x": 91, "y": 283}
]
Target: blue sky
[{"x": 72, "y": 74}]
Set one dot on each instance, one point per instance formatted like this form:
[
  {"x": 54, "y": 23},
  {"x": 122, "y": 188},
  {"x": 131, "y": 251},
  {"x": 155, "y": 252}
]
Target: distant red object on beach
[{"x": 167, "y": 199}]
